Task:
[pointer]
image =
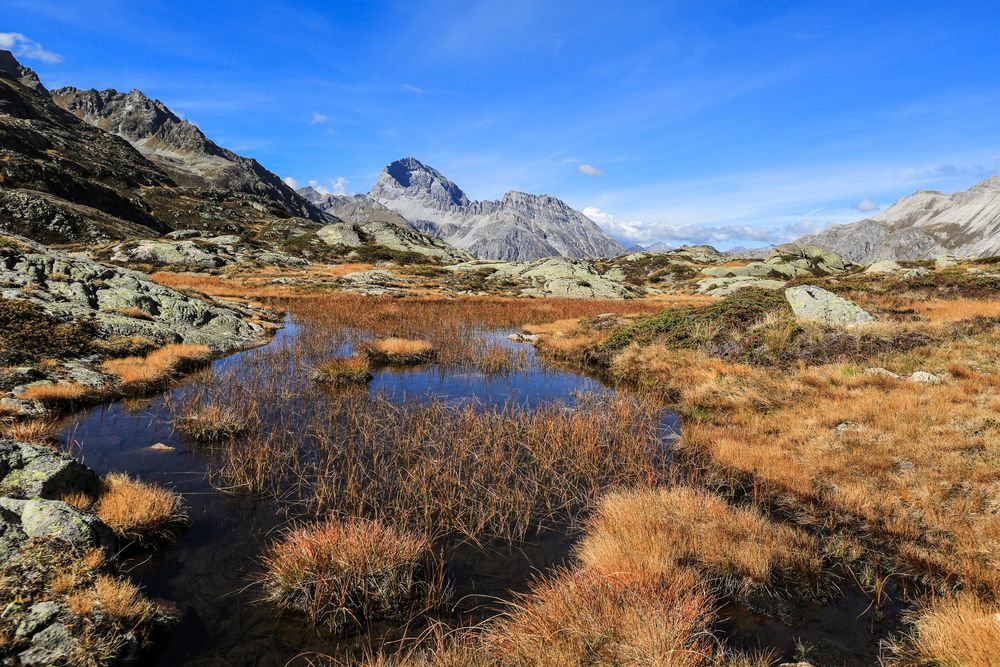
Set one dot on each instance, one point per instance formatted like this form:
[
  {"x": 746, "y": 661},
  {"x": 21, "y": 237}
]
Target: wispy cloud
[
  {"x": 589, "y": 170},
  {"x": 318, "y": 117},
  {"x": 291, "y": 182},
  {"x": 337, "y": 186},
  {"x": 23, "y": 47},
  {"x": 866, "y": 205},
  {"x": 413, "y": 90}
]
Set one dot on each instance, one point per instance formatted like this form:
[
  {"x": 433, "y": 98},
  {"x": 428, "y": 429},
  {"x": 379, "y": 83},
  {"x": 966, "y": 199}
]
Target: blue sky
[{"x": 736, "y": 123}]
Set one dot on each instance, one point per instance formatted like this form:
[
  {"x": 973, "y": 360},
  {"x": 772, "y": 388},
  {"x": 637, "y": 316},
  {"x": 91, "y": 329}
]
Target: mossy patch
[
  {"x": 687, "y": 327},
  {"x": 28, "y": 333}
]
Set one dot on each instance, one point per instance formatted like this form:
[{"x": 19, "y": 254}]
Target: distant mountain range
[
  {"x": 924, "y": 224},
  {"x": 519, "y": 227}
]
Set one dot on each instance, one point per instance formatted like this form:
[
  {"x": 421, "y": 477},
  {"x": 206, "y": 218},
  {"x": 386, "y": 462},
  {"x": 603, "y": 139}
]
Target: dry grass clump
[
  {"x": 120, "y": 602},
  {"x": 953, "y": 631},
  {"x": 343, "y": 370},
  {"x": 60, "y": 395},
  {"x": 140, "y": 512},
  {"x": 654, "y": 532},
  {"x": 343, "y": 572},
  {"x": 211, "y": 422},
  {"x": 584, "y": 618},
  {"x": 131, "y": 311},
  {"x": 400, "y": 351},
  {"x": 158, "y": 367},
  {"x": 35, "y": 432}
]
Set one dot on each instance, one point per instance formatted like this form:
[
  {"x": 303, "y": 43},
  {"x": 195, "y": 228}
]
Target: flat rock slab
[{"x": 816, "y": 304}]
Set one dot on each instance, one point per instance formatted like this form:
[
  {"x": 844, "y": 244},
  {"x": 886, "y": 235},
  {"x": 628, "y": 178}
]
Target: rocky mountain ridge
[
  {"x": 925, "y": 224},
  {"x": 520, "y": 227},
  {"x": 178, "y": 147}
]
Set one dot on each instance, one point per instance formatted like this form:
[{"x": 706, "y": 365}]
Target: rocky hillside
[
  {"x": 519, "y": 227},
  {"x": 178, "y": 147},
  {"x": 924, "y": 224},
  {"x": 63, "y": 180}
]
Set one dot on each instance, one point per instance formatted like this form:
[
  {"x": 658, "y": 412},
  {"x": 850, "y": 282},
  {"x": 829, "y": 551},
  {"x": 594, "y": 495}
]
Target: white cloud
[
  {"x": 807, "y": 226},
  {"x": 598, "y": 216},
  {"x": 410, "y": 88},
  {"x": 338, "y": 186},
  {"x": 292, "y": 183},
  {"x": 29, "y": 49},
  {"x": 589, "y": 170},
  {"x": 866, "y": 205},
  {"x": 318, "y": 117}
]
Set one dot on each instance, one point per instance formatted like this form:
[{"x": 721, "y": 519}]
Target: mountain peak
[
  {"x": 519, "y": 227},
  {"x": 15, "y": 70},
  {"x": 409, "y": 175}
]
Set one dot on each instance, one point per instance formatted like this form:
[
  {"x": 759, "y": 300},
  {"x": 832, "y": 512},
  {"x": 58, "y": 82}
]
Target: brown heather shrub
[
  {"x": 347, "y": 572},
  {"x": 400, "y": 351},
  {"x": 140, "y": 512},
  {"x": 655, "y": 532},
  {"x": 957, "y": 631}
]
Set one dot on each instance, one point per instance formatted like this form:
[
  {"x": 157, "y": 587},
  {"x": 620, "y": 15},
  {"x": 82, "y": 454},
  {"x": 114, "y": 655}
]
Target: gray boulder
[
  {"x": 79, "y": 289},
  {"x": 186, "y": 254},
  {"x": 726, "y": 286},
  {"x": 810, "y": 258},
  {"x": 58, "y": 520},
  {"x": 884, "y": 266},
  {"x": 52, "y": 646},
  {"x": 31, "y": 471},
  {"x": 816, "y": 304}
]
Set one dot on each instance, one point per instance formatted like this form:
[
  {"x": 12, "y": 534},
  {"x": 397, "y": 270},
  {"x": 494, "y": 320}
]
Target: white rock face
[
  {"x": 924, "y": 224},
  {"x": 520, "y": 227}
]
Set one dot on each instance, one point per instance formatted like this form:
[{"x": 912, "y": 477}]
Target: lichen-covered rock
[
  {"x": 884, "y": 266},
  {"x": 172, "y": 253},
  {"x": 73, "y": 288},
  {"x": 811, "y": 258},
  {"x": 30, "y": 471},
  {"x": 39, "y": 615},
  {"x": 58, "y": 520},
  {"x": 556, "y": 277},
  {"x": 54, "y": 645},
  {"x": 726, "y": 286},
  {"x": 813, "y": 303}
]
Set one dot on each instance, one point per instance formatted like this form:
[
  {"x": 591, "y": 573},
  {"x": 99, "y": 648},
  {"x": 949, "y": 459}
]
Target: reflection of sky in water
[{"x": 206, "y": 572}]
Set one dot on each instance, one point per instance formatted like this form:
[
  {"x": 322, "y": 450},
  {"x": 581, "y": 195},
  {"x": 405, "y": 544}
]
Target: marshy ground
[{"x": 678, "y": 480}]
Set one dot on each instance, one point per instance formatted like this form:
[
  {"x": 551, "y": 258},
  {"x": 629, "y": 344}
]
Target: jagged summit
[
  {"x": 26, "y": 76},
  {"x": 179, "y": 147},
  {"x": 519, "y": 227}
]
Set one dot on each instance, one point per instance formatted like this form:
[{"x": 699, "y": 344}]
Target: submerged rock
[{"x": 816, "y": 304}]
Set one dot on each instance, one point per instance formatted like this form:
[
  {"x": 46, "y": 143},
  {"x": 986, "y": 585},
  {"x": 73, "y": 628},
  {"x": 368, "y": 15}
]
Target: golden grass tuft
[
  {"x": 400, "y": 351},
  {"x": 954, "y": 631},
  {"x": 122, "y": 602},
  {"x": 34, "y": 432},
  {"x": 58, "y": 395},
  {"x": 140, "y": 512},
  {"x": 159, "y": 366},
  {"x": 342, "y": 572},
  {"x": 343, "y": 370},
  {"x": 581, "y": 617},
  {"x": 654, "y": 532},
  {"x": 209, "y": 422},
  {"x": 133, "y": 312}
]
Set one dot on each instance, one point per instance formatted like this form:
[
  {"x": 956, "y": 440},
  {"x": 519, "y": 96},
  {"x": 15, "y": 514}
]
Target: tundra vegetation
[{"x": 813, "y": 458}]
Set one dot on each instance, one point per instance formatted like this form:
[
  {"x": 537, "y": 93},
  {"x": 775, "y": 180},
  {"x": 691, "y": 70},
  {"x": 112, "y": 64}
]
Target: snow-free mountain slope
[
  {"x": 924, "y": 224},
  {"x": 179, "y": 147},
  {"x": 519, "y": 227}
]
